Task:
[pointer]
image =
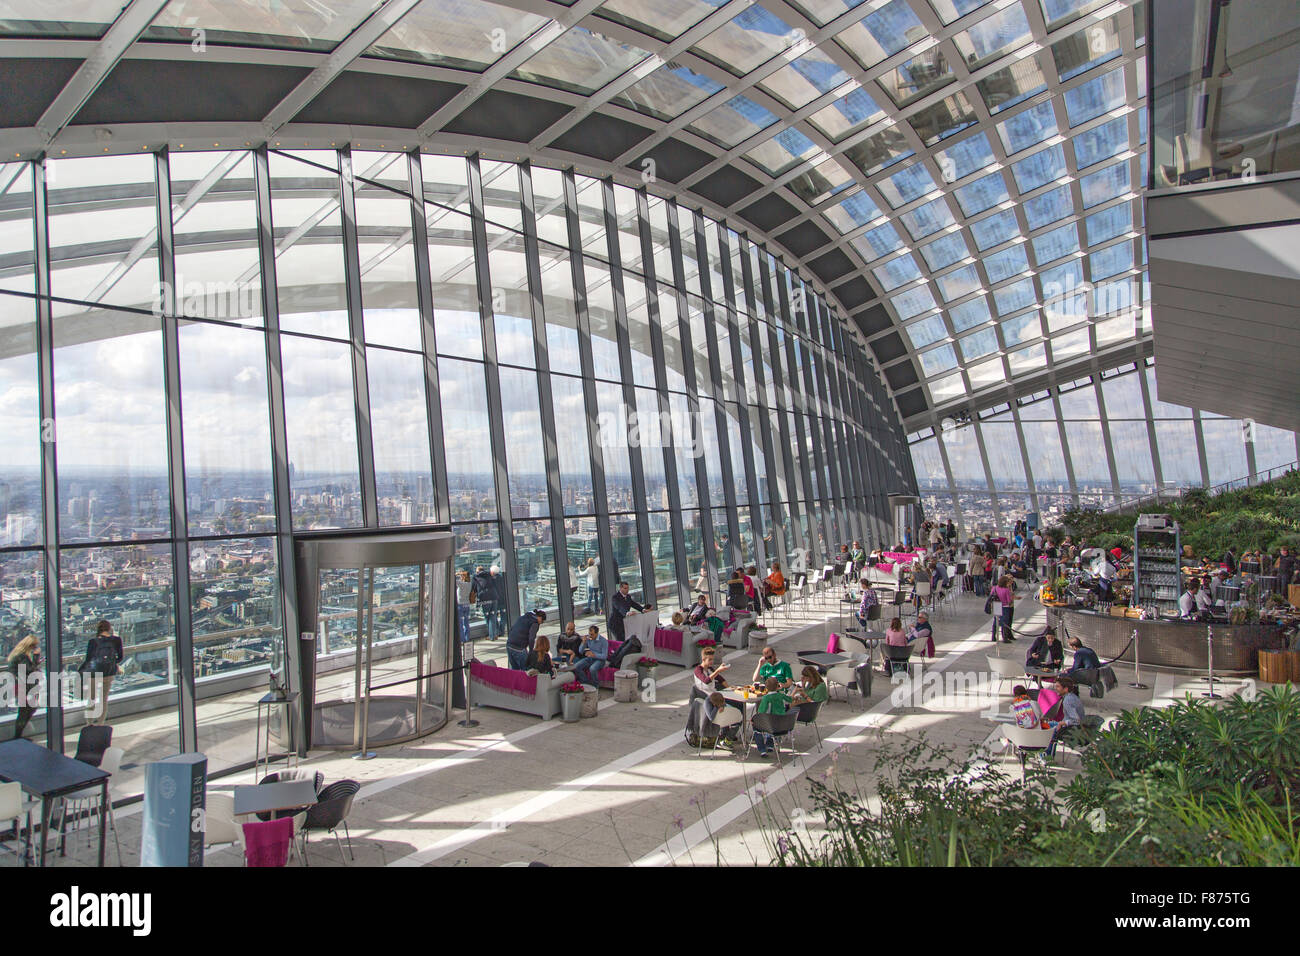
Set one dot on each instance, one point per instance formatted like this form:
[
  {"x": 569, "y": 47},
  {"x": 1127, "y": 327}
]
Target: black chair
[
  {"x": 873, "y": 613},
  {"x": 283, "y": 776},
  {"x": 333, "y": 804},
  {"x": 93, "y": 740},
  {"x": 736, "y": 596},
  {"x": 780, "y": 726},
  {"x": 806, "y": 713},
  {"x": 892, "y": 657}
]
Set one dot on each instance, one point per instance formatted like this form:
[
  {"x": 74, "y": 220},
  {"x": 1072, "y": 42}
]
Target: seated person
[
  {"x": 592, "y": 656},
  {"x": 1024, "y": 710},
  {"x": 770, "y": 667},
  {"x": 894, "y": 635},
  {"x": 715, "y": 704},
  {"x": 772, "y": 702},
  {"x": 773, "y": 585},
  {"x": 813, "y": 687},
  {"x": 708, "y": 674},
  {"x": 1072, "y": 712},
  {"x": 697, "y": 612},
  {"x": 1085, "y": 658},
  {"x": 1046, "y": 652},
  {"x": 539, "y": 658},
  {"x": 568, "y": 643},
  {"x": 922, "y": 630},
  {"x": 679, "y": 619},
  {"x": 736, "y": 594}
]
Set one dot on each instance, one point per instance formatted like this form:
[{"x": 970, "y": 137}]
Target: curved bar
[{"x": 1171, "y": 645}]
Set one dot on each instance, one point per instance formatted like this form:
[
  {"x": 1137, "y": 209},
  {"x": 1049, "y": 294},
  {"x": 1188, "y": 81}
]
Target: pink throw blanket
[
  {"x": 502, "y": 678},
  {"x": 669, "y": 638}
]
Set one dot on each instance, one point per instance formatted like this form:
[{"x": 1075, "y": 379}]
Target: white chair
[
  {"x": 843, "y": 675},
  {"x": 85, "y": 806},
  {"x": 726, "y": 717},
  {"x": 220, "y": 826},
  {"x": 1027, "y": 739},
  {"x": 1005, "y": 669},
  {"x": 17, "y": 811}
]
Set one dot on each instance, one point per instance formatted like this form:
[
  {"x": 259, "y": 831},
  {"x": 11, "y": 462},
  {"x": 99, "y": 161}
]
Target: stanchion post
[
  {"x": 469, "y": 720},
  {"x": 1137, "y": 664},
  {"x": 1209, "y": 647}
]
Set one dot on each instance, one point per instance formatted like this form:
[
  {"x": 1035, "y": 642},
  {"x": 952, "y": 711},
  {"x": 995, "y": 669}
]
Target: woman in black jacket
[
  {"x": 103, "y": 654},
  {"x": 24, "y": 661},
  {"x": 1046, "y": 652}
]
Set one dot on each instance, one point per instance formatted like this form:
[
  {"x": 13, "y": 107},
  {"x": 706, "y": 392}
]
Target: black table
[
  {"x": 824, "y": 660},
  {"x": 47, "y": 775}
]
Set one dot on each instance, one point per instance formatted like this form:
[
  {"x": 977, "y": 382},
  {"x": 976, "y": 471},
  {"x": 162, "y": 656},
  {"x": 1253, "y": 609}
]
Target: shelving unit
[{"x": 1157, "y": 580}]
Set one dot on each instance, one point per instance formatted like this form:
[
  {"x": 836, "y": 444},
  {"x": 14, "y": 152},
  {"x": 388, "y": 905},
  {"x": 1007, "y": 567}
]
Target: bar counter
[{"x": 1170, "y": 645}]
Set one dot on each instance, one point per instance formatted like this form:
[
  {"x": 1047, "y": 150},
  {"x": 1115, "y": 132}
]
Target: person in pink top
[
  {"x": 894, "y": 635},
  {"x": 1003, "y": 602}
]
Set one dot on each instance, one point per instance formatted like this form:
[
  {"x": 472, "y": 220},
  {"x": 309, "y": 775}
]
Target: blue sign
[{"x": 172, "y": 824}]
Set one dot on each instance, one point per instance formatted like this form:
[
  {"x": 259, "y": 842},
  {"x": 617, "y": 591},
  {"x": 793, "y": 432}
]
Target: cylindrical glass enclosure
[{"x": 381, "y": 612}]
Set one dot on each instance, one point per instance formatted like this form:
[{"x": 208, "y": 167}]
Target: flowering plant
[
  {"x": 706, "y": 642},
  {"x": 647, "y": 662},
  {"x": 573, "y": 687}
]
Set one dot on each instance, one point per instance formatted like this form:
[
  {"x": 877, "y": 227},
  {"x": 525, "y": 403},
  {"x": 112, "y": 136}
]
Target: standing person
[
  {"x": 485, "y": 598},
  {"x": 1286, "y": 568},
  {"x": 499, "y": 595},
  {"x": 702, "y": 582},
  {"x": 1004, "y": 600},
  {"x": 522, "y": 637},
  {"x": 24, "y": 661},
  {"x": 591, "y": 573},
  {"x": 952, "y": 531},
  {"x": 463, "y": 588},
  {"x": 977, "y": 571},
  {"x": 619, "y": 608},
  {"x": 103, "y": 654}
]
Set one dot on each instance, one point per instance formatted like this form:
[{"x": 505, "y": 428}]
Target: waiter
[{"x": 621, "y": 604}]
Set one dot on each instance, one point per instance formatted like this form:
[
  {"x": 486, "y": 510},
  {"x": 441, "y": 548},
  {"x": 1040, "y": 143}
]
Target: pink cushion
[
  {"x": 833, "y": 644},
  {"x": 514, "y": 682}
]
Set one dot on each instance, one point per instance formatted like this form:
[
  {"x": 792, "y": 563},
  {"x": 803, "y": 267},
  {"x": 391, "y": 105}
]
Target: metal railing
[{"x": 1176, "y": 492}]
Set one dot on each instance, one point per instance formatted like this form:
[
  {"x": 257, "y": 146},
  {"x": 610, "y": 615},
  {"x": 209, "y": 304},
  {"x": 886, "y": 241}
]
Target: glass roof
[{"x": 955, "y": 153}]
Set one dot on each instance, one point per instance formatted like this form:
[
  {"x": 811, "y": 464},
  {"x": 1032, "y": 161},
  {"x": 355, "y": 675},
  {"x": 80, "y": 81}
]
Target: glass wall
[
  {"x": 1126, "y": 445},
  {"x": 649, "y": 414}
]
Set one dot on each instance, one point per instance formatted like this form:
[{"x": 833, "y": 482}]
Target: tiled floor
[{"x": 625, "y": 787}]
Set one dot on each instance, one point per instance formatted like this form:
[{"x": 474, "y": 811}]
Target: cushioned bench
[{"x": 515, "y": 690}]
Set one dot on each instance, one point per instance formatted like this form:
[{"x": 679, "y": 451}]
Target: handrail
[{"x": 1258, "y": 478}]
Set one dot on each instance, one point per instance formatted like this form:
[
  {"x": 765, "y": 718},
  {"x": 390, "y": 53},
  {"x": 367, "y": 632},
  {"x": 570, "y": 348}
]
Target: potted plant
[
  {"x": 571, "y": 701},
  {"x": 645, "y": 668},
  {"x": 704, "y": 642}
]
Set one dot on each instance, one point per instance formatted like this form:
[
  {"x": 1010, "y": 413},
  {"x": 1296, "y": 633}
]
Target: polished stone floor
[{"x": 625, "y": 788}]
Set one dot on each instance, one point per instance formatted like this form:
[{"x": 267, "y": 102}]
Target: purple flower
[
  {"x": 782, "y": 844},
  {"x": 677, "y": 821}
]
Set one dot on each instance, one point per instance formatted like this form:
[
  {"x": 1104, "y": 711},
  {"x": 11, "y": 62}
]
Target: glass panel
[
  {"x": 131, "y": 588},
  {"x": 1028, "y": 128},
  {"x": 112, "y": 199},
  {"x": 227, "y": 430},
  {"x": 1132, "y": 446},
  {"x": 665, "y": 19},
  {"x": 942, "y": 119},
  {"x": 580, "y": 61},
  {"x": 399, "y": 427},
  {"x": 1046, "y": 460},
  {"x": 994, "y": 230},
  {"x": 1179, "y": 460},
  {"x": 320, "y": 416},
  {"x": 309, "y": 269},
  {"x": 535, "y": 557},
  {"x": 750, "y": 38},
  {"x": 214, "y": 229},
  {"x": 805, "y": 79},
  {"x": 457, "y": 324},
  {"x": 22, "y": 614},
  {"x": 235, "y": 610},
  {"x": 881, "y": 34},
  {"x": 466, "y": 440},
  {"x": 1005, "y": 461},
  {"x": 1225, "y": 451},
  {"x": 984, "y": 193},
  {"x": 668, "y": 92},
  {"x": 463, "y": 34},
  {"x": 295, "y": 24},
  {"x": 846, "y": 115},
  {"x": 969, "y": 314},
  {"x": 112, "y": 453}
]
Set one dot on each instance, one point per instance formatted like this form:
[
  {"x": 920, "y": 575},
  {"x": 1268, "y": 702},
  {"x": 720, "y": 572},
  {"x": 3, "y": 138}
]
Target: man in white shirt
[
  {"x": 1204, "y": 601},
  {"x": 1187, "y": 603}
]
